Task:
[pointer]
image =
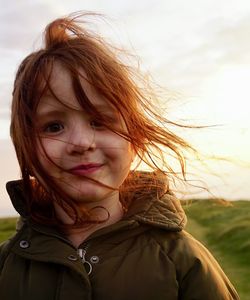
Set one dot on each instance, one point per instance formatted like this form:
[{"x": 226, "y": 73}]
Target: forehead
[{"x": 61, "y": 85}]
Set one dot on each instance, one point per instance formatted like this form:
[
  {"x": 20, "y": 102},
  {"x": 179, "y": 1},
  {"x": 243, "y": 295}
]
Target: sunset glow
[{"x": 200, "y": 51}]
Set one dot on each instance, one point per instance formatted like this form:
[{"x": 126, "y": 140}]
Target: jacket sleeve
[{"x": 199, "y": 275}]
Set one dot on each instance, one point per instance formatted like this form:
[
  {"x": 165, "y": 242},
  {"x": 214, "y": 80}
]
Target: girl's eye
[
  {"x": 96, "y": 124},
  {"x": 53, "y": 127}
]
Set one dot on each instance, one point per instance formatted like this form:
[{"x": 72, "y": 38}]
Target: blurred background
[{"x": 198, "y": 50}]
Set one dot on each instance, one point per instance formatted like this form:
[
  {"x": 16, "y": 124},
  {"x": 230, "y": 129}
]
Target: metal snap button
[
  {"x": 94, "y": 259},
  {"x": 24, "y": 244},
  {"x": 72, "y": 257}
]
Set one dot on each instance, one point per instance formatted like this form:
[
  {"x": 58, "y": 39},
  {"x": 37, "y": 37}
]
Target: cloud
[
  {"x": 20, "y": 22},
  {"x": 193, "y": 53}
]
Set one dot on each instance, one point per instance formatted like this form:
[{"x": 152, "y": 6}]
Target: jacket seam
[
  {"x": 59, "y": 284},
  {"x": 164, "y": 252}
]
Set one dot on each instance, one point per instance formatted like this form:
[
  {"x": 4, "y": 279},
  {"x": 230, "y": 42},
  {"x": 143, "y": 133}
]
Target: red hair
[{"x": 69, "y": 43}]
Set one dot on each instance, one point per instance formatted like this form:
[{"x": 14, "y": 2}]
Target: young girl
[{"x": 90, "y": 226}]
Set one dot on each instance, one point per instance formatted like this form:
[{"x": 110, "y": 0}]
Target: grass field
[{"x": 224, "y": 227}]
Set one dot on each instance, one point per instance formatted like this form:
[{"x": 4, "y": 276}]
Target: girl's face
[{"x": 78, "y": 145}]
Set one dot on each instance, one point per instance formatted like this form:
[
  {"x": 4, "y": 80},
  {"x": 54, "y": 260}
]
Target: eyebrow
[
  {"x": 58, "y": 107},
  {"x": 104, "y": 107},
  {"x": 50, "y": 113},
  {"x": 51, "y": 110}
]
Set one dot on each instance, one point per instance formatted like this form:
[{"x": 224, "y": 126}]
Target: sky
[{"x": 197, "y": 50}]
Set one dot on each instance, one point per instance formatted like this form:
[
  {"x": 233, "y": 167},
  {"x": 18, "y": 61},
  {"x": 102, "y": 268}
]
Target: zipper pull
[{"x": 86, "y": 263}]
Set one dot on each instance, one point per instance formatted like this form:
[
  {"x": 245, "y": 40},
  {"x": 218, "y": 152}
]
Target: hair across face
[
  {"x": 78, "y": 74},
  {"x": 75, "y": 147}
]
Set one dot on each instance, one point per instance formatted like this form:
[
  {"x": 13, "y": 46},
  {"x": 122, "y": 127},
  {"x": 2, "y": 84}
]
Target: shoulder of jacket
[
  {"x": 188, "y": 255},
  {"x": 182, "y": 249},
  {"x": 197, "y": 271}
]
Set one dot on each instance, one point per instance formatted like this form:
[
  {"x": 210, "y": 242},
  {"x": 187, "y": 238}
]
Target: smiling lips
[{"x": 85, "y": 169}]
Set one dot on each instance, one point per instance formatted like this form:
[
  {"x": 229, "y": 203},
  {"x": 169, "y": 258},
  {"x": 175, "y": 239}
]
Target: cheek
[
  {"x": 121, "y": 154},
  {"x": 48, "y": 148}
]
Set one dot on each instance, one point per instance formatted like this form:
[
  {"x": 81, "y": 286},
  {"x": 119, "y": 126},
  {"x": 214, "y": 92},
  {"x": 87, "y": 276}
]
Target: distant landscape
[{"x": 222, "y": 226}]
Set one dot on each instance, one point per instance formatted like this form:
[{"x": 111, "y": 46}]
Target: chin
[{"x": 88, "y": 193}]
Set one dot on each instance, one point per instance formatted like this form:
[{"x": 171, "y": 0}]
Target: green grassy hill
[
  {"x": 224, "y": 227},
  {"x": 7, "y": 228}
]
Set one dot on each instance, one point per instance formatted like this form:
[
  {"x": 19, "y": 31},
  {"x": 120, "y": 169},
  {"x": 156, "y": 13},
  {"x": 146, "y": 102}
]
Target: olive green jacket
[{"x": 145, "y": 256}]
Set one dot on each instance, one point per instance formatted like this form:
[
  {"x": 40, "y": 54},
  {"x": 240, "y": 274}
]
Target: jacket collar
[
  {"x": 164, "y": 212},
  {"x": 15, "y": 191}
]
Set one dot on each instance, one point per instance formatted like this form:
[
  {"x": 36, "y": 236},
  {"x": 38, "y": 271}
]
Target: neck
[{"x": 108, "y": 211}]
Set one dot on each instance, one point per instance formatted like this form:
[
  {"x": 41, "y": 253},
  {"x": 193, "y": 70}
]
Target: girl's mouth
[{"x": 84, "y": 169}]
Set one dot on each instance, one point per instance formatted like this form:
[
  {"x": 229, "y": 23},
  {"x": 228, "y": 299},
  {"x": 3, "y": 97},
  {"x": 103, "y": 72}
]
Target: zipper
[{"x": 82, "y": 254}]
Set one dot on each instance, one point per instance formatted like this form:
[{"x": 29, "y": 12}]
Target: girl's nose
[{"x": 81, "y": 139}]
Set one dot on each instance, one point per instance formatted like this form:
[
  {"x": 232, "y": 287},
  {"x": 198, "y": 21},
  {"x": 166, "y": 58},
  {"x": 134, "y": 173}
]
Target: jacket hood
[
  {"x": 163, "y": 211},
  {"x": 15, "y": 191}
]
